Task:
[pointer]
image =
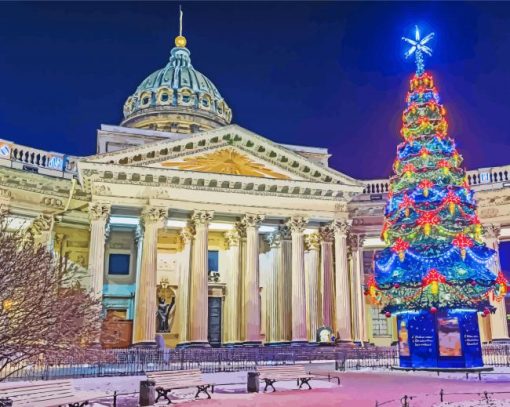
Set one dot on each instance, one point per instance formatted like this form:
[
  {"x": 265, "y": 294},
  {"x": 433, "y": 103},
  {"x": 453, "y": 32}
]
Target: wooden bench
[
  {"x": 51, "y": 393},
  {"x": 166, "y": 381},
  {"x": 327, "y": 374},
  {"x": 273, "y": 374}
]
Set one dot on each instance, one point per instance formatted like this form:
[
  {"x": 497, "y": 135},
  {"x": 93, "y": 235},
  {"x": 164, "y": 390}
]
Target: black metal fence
[{"x": 132, "y": 362}]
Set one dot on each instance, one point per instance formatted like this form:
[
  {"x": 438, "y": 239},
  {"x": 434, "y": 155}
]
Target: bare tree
[{"x": 45, "y": 315}]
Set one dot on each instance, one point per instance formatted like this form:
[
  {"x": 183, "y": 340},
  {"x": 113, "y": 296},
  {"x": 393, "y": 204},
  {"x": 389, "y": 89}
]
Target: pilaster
[
  {"x": 498, "y": 320},
  {"x": 98, "y": 214}
]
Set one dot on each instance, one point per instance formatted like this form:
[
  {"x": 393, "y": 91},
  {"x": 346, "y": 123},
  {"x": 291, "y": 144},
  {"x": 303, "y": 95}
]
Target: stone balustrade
[
  {"x": 34, "y": 160},
  {"x": 480, "y": 179}
]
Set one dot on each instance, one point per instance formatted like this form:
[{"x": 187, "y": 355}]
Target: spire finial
[
  {"x": 180, "y": 40},
  {"x": 418, "y": 48}
]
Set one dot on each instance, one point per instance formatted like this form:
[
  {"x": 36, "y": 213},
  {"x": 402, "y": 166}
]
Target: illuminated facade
[{"x": 197, "y": 231}]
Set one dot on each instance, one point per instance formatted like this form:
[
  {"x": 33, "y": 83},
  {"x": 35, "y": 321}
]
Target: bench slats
[{"x": 46, "y": 394}]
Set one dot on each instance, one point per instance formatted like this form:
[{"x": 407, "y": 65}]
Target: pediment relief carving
[{"x": 225, "y": 161}]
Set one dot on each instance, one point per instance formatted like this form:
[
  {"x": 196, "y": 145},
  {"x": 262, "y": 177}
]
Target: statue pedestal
[{"x": 446, "y": 339}]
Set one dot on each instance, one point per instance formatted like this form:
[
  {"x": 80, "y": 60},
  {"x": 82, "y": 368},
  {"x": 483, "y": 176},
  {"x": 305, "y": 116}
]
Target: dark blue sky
[{"x": 318, "y": 74}]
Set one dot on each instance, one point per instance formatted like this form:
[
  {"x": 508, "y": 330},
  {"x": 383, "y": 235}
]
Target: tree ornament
[
  {"x": 400, "y": 246},
  {"x": 409, "y": 169},
  {"x": 387, "y": 314},
  {"x": 433, "y": 279},
  {"x": 427, "y": 220},
  {"x": 486, "y": 312},
  {"x": 462, "y": 242},
  {"x": 433, "y": 310},
  {"x": 445, "y": 166},
  {"x": 425, "y": 185},
  {"x": 406, "y": 204},
  {"x": 396, "y": 285},
  {"x": 473, "y": 283}
]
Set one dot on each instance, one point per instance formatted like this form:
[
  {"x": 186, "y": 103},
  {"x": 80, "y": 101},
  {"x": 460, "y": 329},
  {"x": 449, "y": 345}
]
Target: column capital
[
  {"x": 297, "y": 224},
  {"x": 491, "y": 231},
  {"x": 233, "y": 237},
  {"x": 154, "y": 214},
  {"x": 99, "y": 211},
  {"x": 356, "y": 241},
  {"x": 341, "y": 226},
  {"x": 313, "y": 241},
  {"x": 186, "y": 234},
  {"x": 274, "y": 239},
  {"x": 251, "y": 220},
  {"x": 202, "y": 217},
  {"x": 327, "y": 233}
]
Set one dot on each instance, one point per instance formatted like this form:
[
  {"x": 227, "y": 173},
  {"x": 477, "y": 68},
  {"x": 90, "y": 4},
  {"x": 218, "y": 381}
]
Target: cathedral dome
[{"x": 177, "y": 98}]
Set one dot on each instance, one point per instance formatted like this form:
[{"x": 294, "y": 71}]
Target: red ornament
[
  {"x": 462, "y": 242},
  {"x": 433, "y": 310},
  {"x": 426, "y": 184},
  {"x": 406, "y": 204},
  {"x": 396, "y": 285},
  {"x": 486, "y": 312},
  {"x": 387, "y": 314},
  {"x": 400, "y": 246},
  {"x": 473, "y": 283}
]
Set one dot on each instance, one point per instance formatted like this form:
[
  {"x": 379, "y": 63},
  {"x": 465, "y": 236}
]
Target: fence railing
[{"x": 132, "y": 362}]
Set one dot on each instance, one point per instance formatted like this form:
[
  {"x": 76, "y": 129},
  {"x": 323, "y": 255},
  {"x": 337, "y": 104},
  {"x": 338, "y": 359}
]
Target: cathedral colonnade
[{"x": 278, "y": 284}]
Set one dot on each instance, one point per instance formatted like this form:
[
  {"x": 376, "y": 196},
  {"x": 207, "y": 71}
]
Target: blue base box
[{"x": 445, "y": 339}]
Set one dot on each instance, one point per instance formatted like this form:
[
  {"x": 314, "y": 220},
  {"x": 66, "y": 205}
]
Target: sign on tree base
[{"x": 443, "y": 339}]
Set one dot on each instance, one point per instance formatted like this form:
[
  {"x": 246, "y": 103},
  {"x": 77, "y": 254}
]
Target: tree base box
[{"x": 444, "y": 339}]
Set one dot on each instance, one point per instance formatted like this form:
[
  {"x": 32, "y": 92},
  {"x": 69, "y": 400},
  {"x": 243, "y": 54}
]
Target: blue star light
[{"x": 418, "y": 48}]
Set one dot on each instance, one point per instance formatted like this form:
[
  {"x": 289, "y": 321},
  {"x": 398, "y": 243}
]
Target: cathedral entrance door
[{"x": 214, "y": 322}]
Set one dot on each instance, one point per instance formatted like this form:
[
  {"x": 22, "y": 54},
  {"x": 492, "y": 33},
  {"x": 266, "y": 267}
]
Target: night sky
[{"x": 315, "y": 74}]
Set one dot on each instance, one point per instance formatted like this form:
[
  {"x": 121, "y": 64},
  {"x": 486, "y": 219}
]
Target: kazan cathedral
[{"x": 196, "y": 231}]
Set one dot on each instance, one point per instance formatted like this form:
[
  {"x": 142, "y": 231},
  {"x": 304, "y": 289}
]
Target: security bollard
[
  {"x": 147, "y": 393},
  {"x": 253, "y": 382}
]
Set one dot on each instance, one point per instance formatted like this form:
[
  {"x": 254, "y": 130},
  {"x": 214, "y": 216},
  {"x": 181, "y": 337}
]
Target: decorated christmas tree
[{"x": 435, "y": 260}]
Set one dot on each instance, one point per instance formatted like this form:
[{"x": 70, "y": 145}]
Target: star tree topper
[{"x": 418, "y": 48}]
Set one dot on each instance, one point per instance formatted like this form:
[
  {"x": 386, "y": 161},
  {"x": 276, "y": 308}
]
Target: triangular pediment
[{"x": 230, "y": 150}]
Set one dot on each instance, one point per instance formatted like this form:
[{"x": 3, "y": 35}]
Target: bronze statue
[{"x": 164, "y": 311}]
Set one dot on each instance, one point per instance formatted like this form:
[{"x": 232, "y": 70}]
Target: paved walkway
[{"x": 358, "y": 389}]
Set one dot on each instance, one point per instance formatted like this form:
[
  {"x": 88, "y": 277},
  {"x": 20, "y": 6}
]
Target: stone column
[
  {"x": 273, "y": 304},
  {"x": 199, "y": 279},
  {"x": 357, "y": 279},
  {"x": 312, "y": 285},
  {"x": 144, "y": 329},
  {"x": 183, "y": 293},
  {"x": 285, "y": 284},
  {"x": 327, "y": 281},
  {"x": 499, "y": 325},
  {"x": 98, "y": 215},
  {"x": 251, "y": 280},
  {"x": 297, "y": 225},
  {"x": 232, "y": 305},
  {"x": 343, "y": 322}
]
